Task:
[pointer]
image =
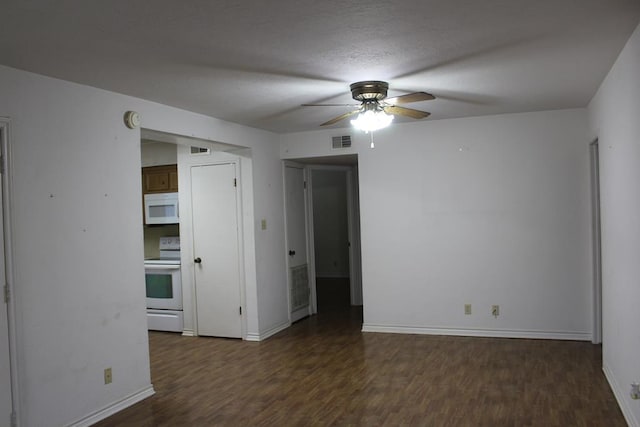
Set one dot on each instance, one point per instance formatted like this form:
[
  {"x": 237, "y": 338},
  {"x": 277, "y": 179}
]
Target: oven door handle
[{"x": 162, "y": 267}]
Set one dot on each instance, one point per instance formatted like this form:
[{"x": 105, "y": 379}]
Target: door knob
[
  {"x": 197, "y": 260},
  {"x": 292, "y": 253}
]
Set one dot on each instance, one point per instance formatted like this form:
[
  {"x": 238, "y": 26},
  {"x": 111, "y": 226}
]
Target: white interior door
[
  {"x": 296, "y": 242},
  {"x": 215, "y": 249},
  {"x": 5, "y": 366}
]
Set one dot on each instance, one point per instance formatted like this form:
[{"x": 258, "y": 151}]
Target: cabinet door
[
  {"x": 160, "y": 179},
  {"x": 157, "y": 182},
  {"x": 173, "y": 181}
]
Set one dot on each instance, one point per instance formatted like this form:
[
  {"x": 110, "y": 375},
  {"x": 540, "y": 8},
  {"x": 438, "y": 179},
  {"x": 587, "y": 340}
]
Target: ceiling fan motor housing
[{"x": 369, "y": 90}]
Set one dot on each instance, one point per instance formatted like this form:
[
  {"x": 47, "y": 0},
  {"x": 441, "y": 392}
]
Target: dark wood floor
[{"x": 324, "y": 371}]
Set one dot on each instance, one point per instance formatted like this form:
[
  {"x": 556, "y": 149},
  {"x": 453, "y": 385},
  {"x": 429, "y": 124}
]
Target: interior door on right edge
[
  {"x": 297, "y": 242},
  {"x": 5, "y": 367},
  {"x": 215, "y": 248}
]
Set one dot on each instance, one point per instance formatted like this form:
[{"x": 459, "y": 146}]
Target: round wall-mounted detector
[{"x": 131, "y": 119}]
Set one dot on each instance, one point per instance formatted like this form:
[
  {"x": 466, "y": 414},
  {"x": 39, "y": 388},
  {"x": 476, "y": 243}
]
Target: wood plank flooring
[{"x": 324, "y": 372}]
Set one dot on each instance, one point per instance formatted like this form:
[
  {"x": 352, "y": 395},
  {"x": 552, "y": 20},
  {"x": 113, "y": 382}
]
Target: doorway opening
[
  {"x": 331, "y": 241},
  {"x": 212, "y": 182},
  {"x": 332, "y": 225}
]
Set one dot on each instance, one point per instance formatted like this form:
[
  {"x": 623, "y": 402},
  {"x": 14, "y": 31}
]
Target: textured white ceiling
[{"x": 254, "y": 62}]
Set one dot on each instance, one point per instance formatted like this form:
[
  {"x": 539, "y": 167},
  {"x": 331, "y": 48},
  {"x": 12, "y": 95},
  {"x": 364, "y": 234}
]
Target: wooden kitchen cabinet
[{"x": 160, "y": 179}]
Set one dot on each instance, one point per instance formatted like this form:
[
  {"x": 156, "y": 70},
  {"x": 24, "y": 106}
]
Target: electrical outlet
[
  {"x": 263, "y": 224},
  {"x": 495, "y": 310},
  {"x": 108, "y": 377},
  {"x": 467, "y": 309},
  {"x": 635, "y": 391}
]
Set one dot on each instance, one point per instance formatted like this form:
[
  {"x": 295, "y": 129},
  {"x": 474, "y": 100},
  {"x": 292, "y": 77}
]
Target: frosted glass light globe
[{"x": 370, "y": 121}]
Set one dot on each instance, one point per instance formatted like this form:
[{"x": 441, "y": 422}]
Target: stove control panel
[{"x": 170, "y": 243}]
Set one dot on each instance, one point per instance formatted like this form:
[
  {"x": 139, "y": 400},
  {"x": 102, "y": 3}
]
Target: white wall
[
  {"x": 158, "y": 153},
  {"x": 487, "y": 210},
  {"x": 614, "y": 113},
  {"x": 271, "y": 270},
  {"x": 330, "y": 223},
  {"x": 78, "y": 247}
]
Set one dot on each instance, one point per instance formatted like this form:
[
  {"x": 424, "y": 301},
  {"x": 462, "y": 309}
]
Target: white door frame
[
  {"x": 8, "y": 258},
  {"x": 355, "y": 254},
  {"x": 596, "y": 336},
  {"x": 309, "y": 259},
  {"x": 355, "y": 279}
]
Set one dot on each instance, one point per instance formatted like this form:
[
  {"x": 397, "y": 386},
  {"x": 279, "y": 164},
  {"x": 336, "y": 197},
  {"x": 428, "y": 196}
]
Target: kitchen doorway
[{"x": 192, "y": 156}]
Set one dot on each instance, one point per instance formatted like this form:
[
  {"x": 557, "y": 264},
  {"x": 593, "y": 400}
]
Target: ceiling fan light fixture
[
  {"x": 376, "y": 111},
  {"x": 371, "y": 120}
]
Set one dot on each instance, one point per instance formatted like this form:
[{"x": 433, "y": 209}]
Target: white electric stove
[{"x": 164, "y": 287}]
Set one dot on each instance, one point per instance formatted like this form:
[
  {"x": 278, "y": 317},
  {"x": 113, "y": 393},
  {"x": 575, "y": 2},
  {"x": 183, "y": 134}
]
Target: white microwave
[{"x": 161, "y": 208}]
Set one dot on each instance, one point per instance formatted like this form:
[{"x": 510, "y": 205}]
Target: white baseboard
[
  {"x": 252, "y": 337},
  {"x": 620, "y": 395},
  {"x": 188, "y": 333},
  {"x": 114, "y": 407},
  {"x": 264, "y": 335},
  {"x": 487, "y": 333}
]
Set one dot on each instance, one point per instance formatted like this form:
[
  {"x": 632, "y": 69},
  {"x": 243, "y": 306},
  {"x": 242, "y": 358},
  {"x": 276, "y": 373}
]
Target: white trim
[
  {"x": 188, "y": 333},
  {"x": 305, "y": 176},
  {"x": 489, "y": 333},
  {"x": 117, "y": 406},
  {"x": 353, "y": 228},
  {"x": 596, "y": 241},
  {"x": 311, "y": 244},
  {"x": 7, "y": 209},
  {"x": 268, "y": 333},
  {"x": 620, "y": 395}
]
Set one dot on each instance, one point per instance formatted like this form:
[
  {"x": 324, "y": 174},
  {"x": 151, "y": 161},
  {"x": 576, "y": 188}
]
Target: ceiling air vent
[{"x": 341, "y": 141}]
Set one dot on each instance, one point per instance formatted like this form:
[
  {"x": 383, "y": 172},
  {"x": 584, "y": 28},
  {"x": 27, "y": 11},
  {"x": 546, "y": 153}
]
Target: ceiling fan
[{"x": 375, "y": 107}]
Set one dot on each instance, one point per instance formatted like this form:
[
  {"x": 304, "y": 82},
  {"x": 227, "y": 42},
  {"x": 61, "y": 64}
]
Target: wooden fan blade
[
  {"x": 409, "y": 112},
  {"x": 329, "y": 105},
  {"x": 410, "y": 97},
  {"x": 341, "y": 117}
]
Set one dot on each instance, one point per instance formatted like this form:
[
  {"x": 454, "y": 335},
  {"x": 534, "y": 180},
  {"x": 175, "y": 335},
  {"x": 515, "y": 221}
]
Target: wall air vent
[
  {"x": 200, "y": 150},
  {"x": 299, "y": 287},
  {"x": 341, "y": 141}
]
